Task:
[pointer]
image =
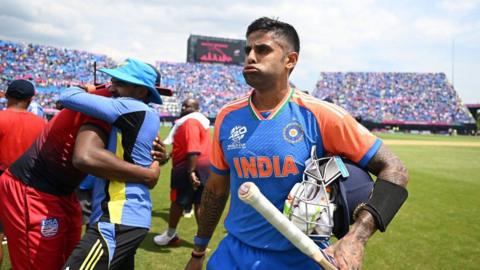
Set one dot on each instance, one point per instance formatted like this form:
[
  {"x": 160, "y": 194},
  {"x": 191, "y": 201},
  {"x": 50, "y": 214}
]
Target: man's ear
[{"x": 291, "y": 60}]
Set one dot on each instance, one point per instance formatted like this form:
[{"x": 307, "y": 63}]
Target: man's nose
[{"x": 250, "y": 57}]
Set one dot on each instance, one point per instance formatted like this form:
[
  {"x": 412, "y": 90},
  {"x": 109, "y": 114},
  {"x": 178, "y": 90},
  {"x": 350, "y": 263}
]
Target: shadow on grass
[
  {"x": 148, "y": 244},
  {"x": 163, "y": 214}
]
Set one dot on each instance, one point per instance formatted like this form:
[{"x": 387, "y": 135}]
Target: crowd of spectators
[
  {"x": 394, "y": 97},
  {"x": 213, "y": 85},
  {"x": 377, "y": 97},
  {"x": 50, "y": 68}
]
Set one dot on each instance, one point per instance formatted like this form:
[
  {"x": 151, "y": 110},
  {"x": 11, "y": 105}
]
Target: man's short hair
[{"x": 280, "y": 29}]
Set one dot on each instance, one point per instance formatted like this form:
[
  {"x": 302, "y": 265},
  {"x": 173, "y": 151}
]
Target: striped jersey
[
  {"x": 270, "y": 149},
  {"x": 134, "y": 127}
]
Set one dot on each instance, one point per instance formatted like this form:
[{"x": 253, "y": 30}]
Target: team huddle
[{"x": 309, "y": 158}]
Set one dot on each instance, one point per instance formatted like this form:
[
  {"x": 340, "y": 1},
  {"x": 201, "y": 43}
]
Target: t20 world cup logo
[{"x": 237, "y": 133}]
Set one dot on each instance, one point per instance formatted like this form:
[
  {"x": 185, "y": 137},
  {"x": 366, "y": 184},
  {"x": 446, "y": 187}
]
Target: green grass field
[
  {"x": 400, "y": 136},
  {"x": 437, "y": 228}
]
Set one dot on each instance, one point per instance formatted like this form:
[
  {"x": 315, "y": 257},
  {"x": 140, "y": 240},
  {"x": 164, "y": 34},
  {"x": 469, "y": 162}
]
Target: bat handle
[
  {"x": 243, "y": 190},
  {"x": 247, "y": 191}
]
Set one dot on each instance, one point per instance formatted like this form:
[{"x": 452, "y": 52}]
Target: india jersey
[
  {"x": 134, "y": 127},
  {"x": 270, "y": 149}
]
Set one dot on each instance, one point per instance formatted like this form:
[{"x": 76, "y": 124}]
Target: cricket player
[
  {"x": 121, "y": 209},
  {"x": 265, "y": 138}
]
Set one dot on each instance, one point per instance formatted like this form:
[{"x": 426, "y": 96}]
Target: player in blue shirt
[
  {"x": 265, "y": 138},
  {"x": 121, "y": 209}
]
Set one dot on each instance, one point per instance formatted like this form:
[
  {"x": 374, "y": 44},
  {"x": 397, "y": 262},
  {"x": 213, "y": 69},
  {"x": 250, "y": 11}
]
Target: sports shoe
[
  {"x": 164, "y": 240},
  {"x": 188, "y": 214}
]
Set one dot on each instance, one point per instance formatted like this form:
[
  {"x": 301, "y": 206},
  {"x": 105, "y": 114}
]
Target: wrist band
[
  {"x": 201, "y": 242},
  {"x": 385, "y": 201},
  {"x": 198, "y": 255}
]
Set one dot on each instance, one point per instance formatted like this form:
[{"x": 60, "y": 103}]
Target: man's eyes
[{"x": 262, "y": 49}]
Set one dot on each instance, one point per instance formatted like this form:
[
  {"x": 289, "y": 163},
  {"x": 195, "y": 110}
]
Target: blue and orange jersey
[
  {"x": 270, "y": 149},
  {"x": 134, "y": 127}
]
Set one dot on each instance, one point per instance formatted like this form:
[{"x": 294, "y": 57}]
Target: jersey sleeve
[
  {"x": 343, "y": 135},
  {"x": 217, "y": 158},
  {"x": 101, "y": 107}
]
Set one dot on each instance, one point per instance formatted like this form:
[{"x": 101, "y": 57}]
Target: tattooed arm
[
  {"x": 214, "y": 198},
  {"x": 387, "y": 166},
  {"x": 349, "y": 250}
]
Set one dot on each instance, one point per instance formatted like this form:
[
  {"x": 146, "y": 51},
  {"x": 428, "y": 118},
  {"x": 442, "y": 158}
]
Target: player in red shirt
[
  {"x": 190, "y": 158},
  {"x": 44, "y": 216},
  {"x": 18, "y": 127}
]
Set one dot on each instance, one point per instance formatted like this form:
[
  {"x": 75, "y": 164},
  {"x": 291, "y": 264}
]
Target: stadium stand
[
  {"x": 395, "y": 98},
  {"x": 50, "y": 68},
  {"x": 213, "y": 84},
  {"x": 386, "y": 98}
]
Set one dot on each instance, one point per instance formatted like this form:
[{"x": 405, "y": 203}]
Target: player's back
[
  {"x": 47, "y": 163},
  {"x": 18, "y": 130}
]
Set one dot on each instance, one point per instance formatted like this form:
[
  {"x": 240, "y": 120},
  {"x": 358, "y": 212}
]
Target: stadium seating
[
  {"x": 395, "y": 98},
  {"x": 213, "y": 84},
  {"x": 418, "y": 98},
  {"x": 50, "y": 68}
]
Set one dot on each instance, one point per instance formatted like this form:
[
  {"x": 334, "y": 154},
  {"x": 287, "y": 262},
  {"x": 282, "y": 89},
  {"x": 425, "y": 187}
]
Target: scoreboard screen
[{"x": 215, "y": 50}]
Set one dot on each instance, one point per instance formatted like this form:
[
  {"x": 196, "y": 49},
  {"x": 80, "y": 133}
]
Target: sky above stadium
[{"x": 335, "y": 35}]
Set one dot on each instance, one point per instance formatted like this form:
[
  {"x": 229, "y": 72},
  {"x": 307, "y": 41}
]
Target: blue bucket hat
[{"x": 139, "y": 73}]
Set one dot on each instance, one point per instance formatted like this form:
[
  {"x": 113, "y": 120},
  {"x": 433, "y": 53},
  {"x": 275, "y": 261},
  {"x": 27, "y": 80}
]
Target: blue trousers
[{"x": 234, "y": 255}]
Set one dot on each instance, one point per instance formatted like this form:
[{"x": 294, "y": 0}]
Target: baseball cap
[
  {"x": 20, "y": 89},
  {"x": 137, "y": 72}
]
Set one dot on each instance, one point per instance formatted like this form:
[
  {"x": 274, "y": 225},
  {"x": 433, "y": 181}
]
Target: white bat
[{"x": 250, "y": 194}]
